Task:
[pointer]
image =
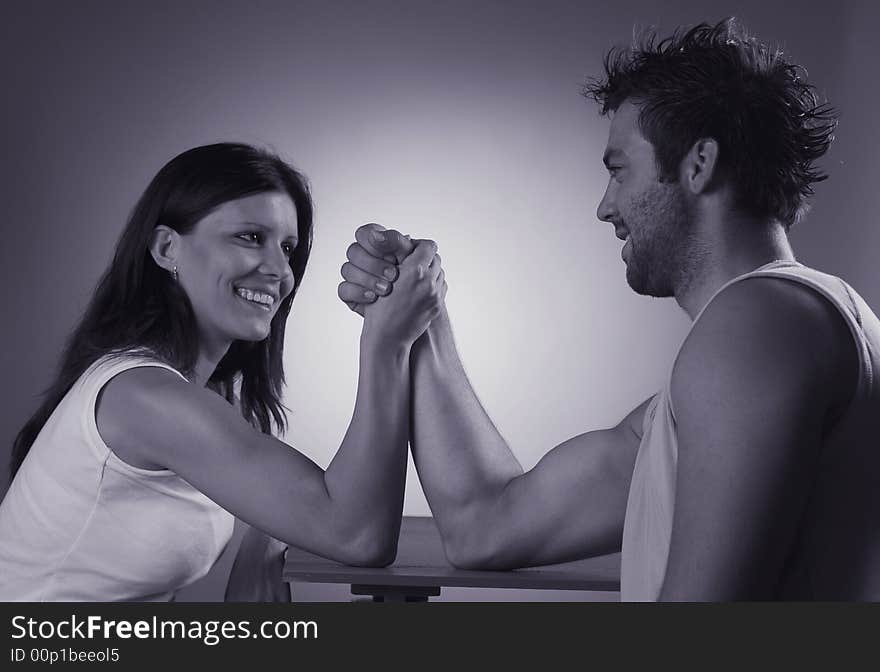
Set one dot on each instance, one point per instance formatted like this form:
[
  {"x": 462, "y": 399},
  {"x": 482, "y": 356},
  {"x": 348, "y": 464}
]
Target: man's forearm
[{"x": 463, "y": 461}]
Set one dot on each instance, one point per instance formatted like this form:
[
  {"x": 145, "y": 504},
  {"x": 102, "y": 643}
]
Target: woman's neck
[{"x": 209, "y": 358}]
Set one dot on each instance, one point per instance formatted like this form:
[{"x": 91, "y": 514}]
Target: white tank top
[
  {"x": 836, "y": 555},
  {"x": 79, "y": 524}
]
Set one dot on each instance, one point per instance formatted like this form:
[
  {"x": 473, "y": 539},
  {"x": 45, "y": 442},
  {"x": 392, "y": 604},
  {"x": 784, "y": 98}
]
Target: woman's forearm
[{"x": 366, "y": 478}]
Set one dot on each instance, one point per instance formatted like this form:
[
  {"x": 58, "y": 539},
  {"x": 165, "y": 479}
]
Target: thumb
[
  {"x": 423, "y": 254},
  {"x": 383, "y": 243}
]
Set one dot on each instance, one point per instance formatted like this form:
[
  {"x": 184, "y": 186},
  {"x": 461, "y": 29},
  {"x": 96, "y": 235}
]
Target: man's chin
[{"x": 644, "y": 286}]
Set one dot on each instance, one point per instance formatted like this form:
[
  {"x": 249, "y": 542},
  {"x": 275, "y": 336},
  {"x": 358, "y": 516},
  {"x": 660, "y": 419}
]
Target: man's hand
[{"x": 371, "y": 268}]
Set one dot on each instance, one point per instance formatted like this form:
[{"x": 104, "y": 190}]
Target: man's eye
[{"x": 615, "y": 172}]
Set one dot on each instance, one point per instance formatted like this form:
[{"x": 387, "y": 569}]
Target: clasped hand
[{"x": 405, "y": 274}]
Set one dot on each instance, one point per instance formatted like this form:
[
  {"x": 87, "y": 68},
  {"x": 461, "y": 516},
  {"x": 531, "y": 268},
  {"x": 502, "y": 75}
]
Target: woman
[{"x": 157, "y": 429}]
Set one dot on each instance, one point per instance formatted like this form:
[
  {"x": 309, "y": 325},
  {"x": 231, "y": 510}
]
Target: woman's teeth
[{"x": 256, "y": 297}]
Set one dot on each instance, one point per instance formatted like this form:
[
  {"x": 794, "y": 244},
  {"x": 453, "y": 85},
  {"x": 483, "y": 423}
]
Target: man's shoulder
[
  {"x": 769, "y": 309},
  {"x": 772, "y": 332}
]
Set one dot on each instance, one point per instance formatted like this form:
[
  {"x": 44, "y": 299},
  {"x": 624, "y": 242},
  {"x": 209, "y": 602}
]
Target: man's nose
[{"x": 607, "y": 208}]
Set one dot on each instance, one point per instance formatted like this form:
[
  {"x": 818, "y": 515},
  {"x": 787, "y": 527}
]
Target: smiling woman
[
  {"x": 238, "y": 255},
  {"x": 158, "y": 427}
]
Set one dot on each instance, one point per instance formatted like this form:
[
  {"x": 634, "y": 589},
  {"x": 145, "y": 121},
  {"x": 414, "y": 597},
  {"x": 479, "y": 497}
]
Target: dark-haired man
[{"x": 755, "y": 472}]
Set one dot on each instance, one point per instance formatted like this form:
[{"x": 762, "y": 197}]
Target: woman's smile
[{"x": 261, "y": 300}]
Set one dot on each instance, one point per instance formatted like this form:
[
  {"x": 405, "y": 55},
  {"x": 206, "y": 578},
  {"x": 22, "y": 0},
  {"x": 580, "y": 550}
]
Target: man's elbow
[
  {"x": 475, "y": 551},
  {"x": 462, "y": 557}
]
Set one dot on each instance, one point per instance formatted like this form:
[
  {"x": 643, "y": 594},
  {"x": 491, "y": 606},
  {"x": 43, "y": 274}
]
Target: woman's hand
[
  {"x": 415, "y": 299},
  {"x": 371, "y": 268}
]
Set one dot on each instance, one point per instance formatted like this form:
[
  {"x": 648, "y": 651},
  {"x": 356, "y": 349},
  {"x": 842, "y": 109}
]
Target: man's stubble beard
[{"x": 663, "y": 255}]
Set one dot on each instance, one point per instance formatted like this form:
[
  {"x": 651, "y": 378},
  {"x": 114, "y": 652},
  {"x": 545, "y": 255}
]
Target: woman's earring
[{"x": 174, "y": 274}]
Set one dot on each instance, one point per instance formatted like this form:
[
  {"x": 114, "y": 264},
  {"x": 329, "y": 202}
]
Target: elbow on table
[
  {"x": 463, "y": 558},
  {"x": 475, "y": 551},
  {"x": 379, "y": 557},
  {"x": 369, "y": 549}
]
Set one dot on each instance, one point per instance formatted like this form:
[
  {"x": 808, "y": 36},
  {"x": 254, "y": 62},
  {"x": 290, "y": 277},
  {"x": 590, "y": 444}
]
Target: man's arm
[
  {"x": 751, "y": 392},
  {"x": 491, "y": 514}
]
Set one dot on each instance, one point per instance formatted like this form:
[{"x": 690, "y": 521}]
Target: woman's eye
[
  {"x": 288, "y": 249},
  {"x": 251, "y": 237}
]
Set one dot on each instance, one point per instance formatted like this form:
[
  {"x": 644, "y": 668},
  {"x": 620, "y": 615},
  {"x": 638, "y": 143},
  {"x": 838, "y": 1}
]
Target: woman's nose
[{"x": 276, "y": 264}]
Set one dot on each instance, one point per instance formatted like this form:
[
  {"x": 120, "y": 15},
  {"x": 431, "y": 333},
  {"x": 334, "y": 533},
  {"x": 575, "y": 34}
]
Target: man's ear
[
  {"x": 164, "y": 247},
  {"x": 700, "y": 165}
]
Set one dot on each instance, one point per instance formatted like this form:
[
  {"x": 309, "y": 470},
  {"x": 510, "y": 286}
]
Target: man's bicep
[{"x": 572, "y": 504}]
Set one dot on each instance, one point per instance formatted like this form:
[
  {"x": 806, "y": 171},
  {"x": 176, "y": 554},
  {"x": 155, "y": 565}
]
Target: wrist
[
  {"x": 438, "y": 336},
  {"x": 379, "y": 346}
]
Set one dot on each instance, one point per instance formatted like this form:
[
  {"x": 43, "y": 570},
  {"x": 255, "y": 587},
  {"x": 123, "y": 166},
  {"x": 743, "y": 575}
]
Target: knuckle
[{"x": 352, "y": 249}]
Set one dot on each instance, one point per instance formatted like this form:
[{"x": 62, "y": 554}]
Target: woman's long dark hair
[{"x": 137, "y": 305}]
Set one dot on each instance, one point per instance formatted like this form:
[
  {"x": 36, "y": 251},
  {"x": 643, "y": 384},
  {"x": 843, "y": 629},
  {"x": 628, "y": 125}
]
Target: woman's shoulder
[
  {"x": 135, "y": 389},
  {"x": 112, "y": 363}
]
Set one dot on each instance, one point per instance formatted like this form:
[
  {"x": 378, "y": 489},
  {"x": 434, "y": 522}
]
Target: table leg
[{"x": 396, "y": 593}]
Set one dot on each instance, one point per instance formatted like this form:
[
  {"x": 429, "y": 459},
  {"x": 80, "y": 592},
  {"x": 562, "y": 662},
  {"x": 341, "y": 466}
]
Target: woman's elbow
[
  {"x": 370, "y": 550},
  {"x": 380, "y": 555}
]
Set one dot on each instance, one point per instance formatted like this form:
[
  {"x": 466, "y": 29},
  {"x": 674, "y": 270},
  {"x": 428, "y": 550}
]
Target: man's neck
[{"x": 732, "y": 248}]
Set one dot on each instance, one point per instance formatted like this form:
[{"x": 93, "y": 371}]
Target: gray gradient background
[{"x": 456, "y": 121}]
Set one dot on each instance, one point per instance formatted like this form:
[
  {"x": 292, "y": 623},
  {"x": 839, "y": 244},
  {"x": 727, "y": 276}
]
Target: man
[{"x": 755, "y": 472}]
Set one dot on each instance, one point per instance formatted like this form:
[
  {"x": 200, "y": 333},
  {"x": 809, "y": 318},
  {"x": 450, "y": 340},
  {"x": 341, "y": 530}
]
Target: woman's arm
[{"x": 351, "y": 512}]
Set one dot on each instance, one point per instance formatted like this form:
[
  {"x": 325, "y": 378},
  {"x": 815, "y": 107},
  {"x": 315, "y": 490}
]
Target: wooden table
[{"x": 421, "y": 570}]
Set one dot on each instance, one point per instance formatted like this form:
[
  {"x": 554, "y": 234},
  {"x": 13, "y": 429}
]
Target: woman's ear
[{"x": 164, "y": 247}]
